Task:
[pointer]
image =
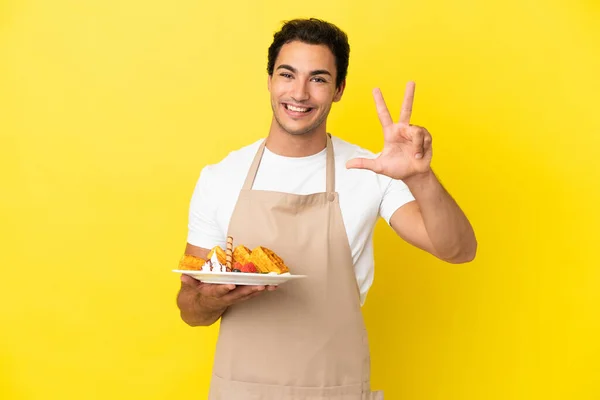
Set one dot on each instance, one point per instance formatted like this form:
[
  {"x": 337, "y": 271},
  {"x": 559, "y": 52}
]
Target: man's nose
[{"x": 300, "y": 91}]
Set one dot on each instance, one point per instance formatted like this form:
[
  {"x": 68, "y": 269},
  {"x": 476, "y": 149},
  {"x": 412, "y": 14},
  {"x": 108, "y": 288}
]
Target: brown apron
[{"x": 306, "y": 340}]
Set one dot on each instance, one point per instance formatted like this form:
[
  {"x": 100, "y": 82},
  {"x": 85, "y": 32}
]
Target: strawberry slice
[{"x": 250, "y": 267}]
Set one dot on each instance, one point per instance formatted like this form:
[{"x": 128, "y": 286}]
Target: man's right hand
[{"x": 203, "y": 303}]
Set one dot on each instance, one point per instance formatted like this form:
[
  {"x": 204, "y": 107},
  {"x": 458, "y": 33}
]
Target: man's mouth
[{"x": 297, "y": 109}]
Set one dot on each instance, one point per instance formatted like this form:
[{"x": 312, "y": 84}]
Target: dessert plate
[{"x": 239, "y": 278}]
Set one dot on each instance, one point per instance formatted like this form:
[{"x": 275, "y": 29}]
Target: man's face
[{"x": 303, "y": 87}]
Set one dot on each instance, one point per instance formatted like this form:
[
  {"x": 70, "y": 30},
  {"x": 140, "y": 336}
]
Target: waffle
[
  {"x": 241, "y": 254},
  {"x": 267, "y": 261},
  {"x": 221, "y": 256},
  {"x": 191, "y": 263}
]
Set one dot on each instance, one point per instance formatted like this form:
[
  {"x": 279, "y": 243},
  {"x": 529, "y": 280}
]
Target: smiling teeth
[{"x": 297, "y": 109}]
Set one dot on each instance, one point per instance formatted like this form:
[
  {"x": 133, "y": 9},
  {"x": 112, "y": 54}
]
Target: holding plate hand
[
  {"x": 210, "y": 300},
  {"x": 406, "y": 149}
]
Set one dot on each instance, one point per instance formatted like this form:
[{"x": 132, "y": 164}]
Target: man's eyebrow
[
  {"x": 312, "y": 73},
  {"x": 288, "y": 67},
  {"x": 320, "y": 72}
]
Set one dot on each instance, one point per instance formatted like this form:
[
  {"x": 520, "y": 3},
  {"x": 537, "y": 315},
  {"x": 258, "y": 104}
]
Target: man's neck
[{"x": 285, "y": 144}]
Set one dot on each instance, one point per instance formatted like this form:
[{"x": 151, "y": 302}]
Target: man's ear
[
  {"x": 269, "y": 82},
  {"x": 339, "y": 91}
]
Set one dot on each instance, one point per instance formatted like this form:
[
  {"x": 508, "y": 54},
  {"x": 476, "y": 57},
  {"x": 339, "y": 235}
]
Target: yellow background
[{"x": 109, "y": 109}]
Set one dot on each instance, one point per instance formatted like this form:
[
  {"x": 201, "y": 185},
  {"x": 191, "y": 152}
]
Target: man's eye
[
  {"x": 319, "y": 80},
  {"x": 285, "y": 75}
]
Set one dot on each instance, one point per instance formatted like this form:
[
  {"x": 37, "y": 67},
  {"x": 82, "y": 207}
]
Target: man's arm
[
  {"x": 202, "y": 304},
  {"x": 434, "y": 222}
]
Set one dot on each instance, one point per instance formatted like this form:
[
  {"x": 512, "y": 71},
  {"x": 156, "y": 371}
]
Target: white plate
[{"x": 238, "y": 278}]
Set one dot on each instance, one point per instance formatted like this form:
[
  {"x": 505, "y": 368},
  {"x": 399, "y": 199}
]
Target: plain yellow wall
[{"x": 109, "y": 109}]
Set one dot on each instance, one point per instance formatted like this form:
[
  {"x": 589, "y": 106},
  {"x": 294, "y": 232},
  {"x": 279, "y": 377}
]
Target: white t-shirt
[{"x": 363, "y": 196}]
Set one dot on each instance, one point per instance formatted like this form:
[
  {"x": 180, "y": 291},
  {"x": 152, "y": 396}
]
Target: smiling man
[
  {"x": 300, "y": 109},
  {"x": 314, "y": 199}
]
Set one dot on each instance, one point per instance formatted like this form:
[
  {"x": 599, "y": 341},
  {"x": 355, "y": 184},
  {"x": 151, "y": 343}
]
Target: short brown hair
[{"x": 313, "y": 31}]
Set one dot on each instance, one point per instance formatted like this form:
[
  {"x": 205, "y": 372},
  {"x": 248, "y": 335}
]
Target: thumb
[
  {"x": 189, "y": 281},
  {"x": 363, "y": 163}
]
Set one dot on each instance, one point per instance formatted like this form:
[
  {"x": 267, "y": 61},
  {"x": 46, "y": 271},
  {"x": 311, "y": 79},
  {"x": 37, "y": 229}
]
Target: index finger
[
  {"x": 188, "y": 280},
  {"x": 382, "y": 111},
  {"x": 407, "y": 104}
]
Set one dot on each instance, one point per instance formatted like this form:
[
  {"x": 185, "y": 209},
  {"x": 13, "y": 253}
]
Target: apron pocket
[{"x": 223, "y": 389}]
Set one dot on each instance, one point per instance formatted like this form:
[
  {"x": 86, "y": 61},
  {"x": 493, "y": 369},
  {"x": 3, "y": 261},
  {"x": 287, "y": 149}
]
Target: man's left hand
[{"x": 407, "y": 148}]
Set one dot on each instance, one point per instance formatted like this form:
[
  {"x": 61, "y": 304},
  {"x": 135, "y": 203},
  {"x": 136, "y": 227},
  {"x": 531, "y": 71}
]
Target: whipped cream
[
  {"x": 213, "y": 265},
  {"x": 206, "y": 267}
]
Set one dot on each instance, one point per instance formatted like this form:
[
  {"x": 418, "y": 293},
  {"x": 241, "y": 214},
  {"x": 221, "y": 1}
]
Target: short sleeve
[
  {"x": 203, "y": 229},
  {"x": 395, "y": 195}
]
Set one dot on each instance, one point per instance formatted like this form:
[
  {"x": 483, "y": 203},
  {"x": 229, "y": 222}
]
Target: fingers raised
[
  {"x": 407, "y": 104},
  {"x": 382, "y": 111}
]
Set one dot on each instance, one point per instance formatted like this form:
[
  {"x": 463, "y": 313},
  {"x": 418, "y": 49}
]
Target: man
[{"x": 314, "y": 199}]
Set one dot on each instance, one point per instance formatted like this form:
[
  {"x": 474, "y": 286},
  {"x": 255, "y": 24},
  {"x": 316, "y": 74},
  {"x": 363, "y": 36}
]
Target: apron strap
[
  {"x": 330, "y": 170},
  {"x": 254, "y": 167},
  {"x": 330, "y": 177}
]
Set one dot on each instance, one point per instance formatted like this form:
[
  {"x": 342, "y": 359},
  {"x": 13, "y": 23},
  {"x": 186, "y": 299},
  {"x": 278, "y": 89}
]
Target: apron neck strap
[{"x": 330, "y": 177}]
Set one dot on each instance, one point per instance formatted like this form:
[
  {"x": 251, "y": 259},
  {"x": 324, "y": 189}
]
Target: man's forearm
[
  {"x": 193, "y": 312},
  {"x": 448, "y": 228}
]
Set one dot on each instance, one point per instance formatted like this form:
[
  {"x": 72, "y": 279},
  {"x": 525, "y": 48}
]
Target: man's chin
[{"x": 298, "y": 132}]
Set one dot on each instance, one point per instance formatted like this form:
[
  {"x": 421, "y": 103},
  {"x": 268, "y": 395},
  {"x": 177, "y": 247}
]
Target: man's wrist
[{"x": 420, "y": 180}]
